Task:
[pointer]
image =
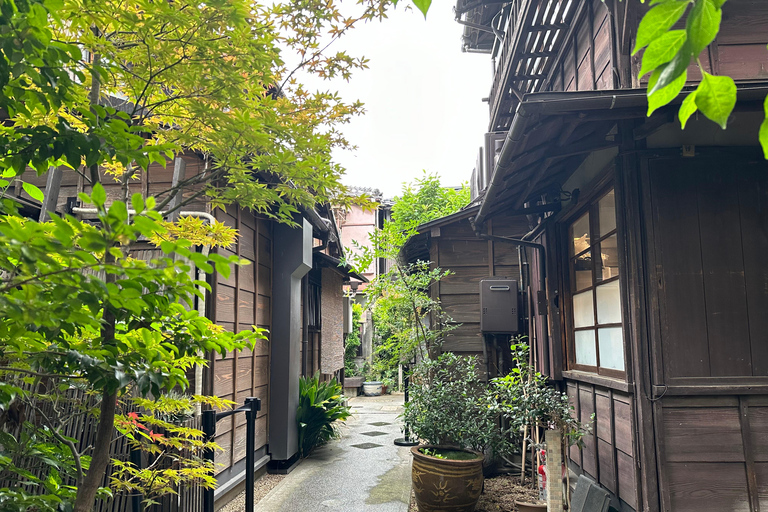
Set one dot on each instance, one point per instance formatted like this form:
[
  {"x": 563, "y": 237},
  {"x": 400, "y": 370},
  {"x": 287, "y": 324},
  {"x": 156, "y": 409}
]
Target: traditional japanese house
[
  {"x": 651, "y": 259},
  {"x": 267, "y": 293}
]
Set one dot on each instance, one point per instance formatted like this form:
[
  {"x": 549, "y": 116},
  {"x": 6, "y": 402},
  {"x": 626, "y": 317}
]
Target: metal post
[
  {"x": 406, "y": 439},
  {"x": 252, "y": 407},
  {"x": 209, "y": 429}
]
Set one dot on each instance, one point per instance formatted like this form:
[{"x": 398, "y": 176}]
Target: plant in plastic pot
[{"x": 451, "y": 410}]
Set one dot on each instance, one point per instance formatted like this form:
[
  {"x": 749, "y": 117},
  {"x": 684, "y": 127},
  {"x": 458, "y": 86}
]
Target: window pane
[
  {"x": 608, "y": 303},
  {"x": 607, "y": 217},
  {"x": 583, "y": 310},
  {"x": 611, "y": 348},
  {"x": 609, "y": 258},
  {"x": 585, "y": 348},
  {"x": 582, "y": 271},
  {"x": 580, "y": 235}
]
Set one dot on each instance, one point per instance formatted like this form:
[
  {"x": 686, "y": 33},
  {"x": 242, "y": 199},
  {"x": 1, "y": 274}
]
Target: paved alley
[{"x": 361, "y": 472}]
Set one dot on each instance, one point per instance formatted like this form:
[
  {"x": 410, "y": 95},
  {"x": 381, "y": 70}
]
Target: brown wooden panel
[
  {"x": 702, "y": 434},
  {"x": 261, "y": 438},
  {"x": 602, "y": 31},
  {"x": 585, "y": 74},
  {"x": 261, "y": 392},
  {"x": 224, "y": 370},
  {"x": 605, "y": 77},
  {"x": 744, "y": 61},
  {"x": 589, "y": 451},
  {"x": 465, "y": 338},
  {"x": 260, "y": 370},
  {"x": 264, "y": 311},
  {"x": 622, "y": 414},
  {"x": 753, "y": 197},
  {"x": 463, "y": 280},
  {"x": 504, "y": 255},
  {"x": 569, "y": 69},
  {"x": 696, "y": 487},
  {"x": 761, "y": 472},
  {"x": 460, "y": 229},
  {"x": 225, "y": 303},
  {"x": 507, "y": 271},
  {"x": 245, "y": 313},
  {"x": 265, "y": 249},
  {"x": 603, "y": 417},
  {"x": 222, "y": 457},
  {"x": 684, "y": 336},
  {"x": 462, "y": 308},
  {"x": 607, "y": 472},
  {"x": 723, "y": 264},
  {"x": 248, "y": 219},
  {"x": 264, "y": 280},
  {"x": 246, "y": 241},
  {"x": 462, "y": 253},
  {"x": 246, "y": 277},
  {"x": 758, "y": 425},
  {"x": 514, "y": 227},
  {"x": 744, "y": 21},
  {"x": 627, "y": 478}
]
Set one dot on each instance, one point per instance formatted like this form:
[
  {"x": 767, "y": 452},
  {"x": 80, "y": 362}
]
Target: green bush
[
  {"x": 450, "y": 406},
  {"x": 321, "y": 404}
]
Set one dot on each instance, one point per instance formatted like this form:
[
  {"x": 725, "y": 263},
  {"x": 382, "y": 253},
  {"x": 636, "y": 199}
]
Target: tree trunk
[{"x": 86, "y": 493}]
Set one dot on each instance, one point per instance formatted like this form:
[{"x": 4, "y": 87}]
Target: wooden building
[
  {"x": 285, "y": 264},
  {"x": 652, "y": 315}
]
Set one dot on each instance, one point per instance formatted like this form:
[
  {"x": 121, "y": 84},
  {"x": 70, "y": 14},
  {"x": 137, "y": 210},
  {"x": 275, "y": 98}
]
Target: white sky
[{"x": 423, "y": 100}]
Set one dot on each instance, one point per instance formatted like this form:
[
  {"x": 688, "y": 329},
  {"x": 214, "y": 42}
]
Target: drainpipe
[{"x": 542, "y": 285}]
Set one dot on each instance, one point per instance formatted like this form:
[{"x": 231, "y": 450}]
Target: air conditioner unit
[{"x": 494, "y": 141}]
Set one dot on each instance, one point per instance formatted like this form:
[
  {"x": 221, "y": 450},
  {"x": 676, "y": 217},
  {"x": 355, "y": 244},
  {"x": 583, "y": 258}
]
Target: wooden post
[
  {"x": 52, "y": 189},
  {"x": 554, "y": 440}
]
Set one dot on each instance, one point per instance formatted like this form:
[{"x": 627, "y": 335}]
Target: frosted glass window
[
  {"x": 607, "y": 215},
  {"x": 583, "y": 310},
  {"x": 611, "y": 348},
  {"x": 585, "y": 348},
  {"x": 580, "y": 235},
  {"x": 608, "y": 303},
  {"x": 609, "y": 258}
]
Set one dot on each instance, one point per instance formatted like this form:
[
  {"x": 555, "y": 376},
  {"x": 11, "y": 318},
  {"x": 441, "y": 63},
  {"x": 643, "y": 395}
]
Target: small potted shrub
[
  {"x": 372, "y": 383},
  {"x": 450, "y": 410},
  {"x": 528, "y": 403}
]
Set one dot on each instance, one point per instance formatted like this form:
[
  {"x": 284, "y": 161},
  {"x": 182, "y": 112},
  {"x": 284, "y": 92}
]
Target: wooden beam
[
  {"x": 749, "y": 456},
  {"x": 52, "y": 189}
]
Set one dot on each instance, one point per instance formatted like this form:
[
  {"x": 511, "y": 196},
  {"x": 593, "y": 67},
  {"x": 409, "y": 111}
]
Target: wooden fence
[{"x": 82, "y": 427}]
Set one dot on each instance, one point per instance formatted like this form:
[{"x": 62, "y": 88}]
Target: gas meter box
[{"x": 499, "y": 311}]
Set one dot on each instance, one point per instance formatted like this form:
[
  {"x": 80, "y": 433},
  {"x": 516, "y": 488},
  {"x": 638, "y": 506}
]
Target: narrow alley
[{"x": 364, "y": 471}]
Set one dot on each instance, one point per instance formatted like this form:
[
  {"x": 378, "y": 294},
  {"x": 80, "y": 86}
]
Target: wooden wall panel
[
  {"x": 713, "y": 209},
  {"x": 698, "y": 487},
  {"x": 744, "y": 22},
  {"x": 702, "y": 434}
]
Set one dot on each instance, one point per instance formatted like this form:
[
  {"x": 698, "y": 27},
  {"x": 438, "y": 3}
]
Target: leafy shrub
[
  {"x": 449, "y": 405},
  {"x": 321, "y": 404}
]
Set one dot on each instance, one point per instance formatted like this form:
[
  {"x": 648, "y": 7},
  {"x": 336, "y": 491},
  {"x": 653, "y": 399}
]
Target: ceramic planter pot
[
  {"x": 372, "y": 388},
  {"x": 442, "y": 484},
  {"x": 530, "y": 507}
]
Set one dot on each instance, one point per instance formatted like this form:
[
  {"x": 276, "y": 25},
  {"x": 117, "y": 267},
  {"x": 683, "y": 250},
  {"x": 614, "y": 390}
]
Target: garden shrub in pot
[{"x": 452, "y": 411}]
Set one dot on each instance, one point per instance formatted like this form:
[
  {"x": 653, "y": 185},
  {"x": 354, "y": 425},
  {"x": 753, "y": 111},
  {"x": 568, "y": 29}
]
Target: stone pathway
[{"x": 361, "y": 472}]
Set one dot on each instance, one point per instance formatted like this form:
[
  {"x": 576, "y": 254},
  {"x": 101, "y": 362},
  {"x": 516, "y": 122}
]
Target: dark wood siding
[
  {"x": 470, "y": 259},
  {"x": 710, "y": 219},
  {"x": 608, "y": 453},
  {"x": 243, "y": 300}
]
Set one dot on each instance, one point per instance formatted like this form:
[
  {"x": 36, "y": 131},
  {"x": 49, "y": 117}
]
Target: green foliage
[
  {"x": 669, "y": 53},
  {"x": 352, "y": 342},
  {"x": 321, "y": 405},
  {"x": 525, "y": 399},
  {"x": 449, "y": 405}
]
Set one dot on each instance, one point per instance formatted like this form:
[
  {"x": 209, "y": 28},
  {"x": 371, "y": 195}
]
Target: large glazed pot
[
  {"x": 442, "y": 485},
  {"x": 372, "y": 388}
]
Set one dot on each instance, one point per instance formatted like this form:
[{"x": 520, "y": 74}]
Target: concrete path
[{"x": 361, "y": 472}]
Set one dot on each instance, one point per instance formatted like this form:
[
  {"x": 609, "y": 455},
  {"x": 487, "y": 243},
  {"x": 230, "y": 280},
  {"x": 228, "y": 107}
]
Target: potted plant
[
  {"x": 529, "y": 404},
  {"x": 450, "y": 410},
  {"x": 372, "y": 383}
]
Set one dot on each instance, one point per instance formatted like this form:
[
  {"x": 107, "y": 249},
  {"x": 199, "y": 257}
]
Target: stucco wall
[{"x": 332, "y": 350}]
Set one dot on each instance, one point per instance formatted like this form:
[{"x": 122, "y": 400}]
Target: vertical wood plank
[
  {"x": 749, "y": 457},
  {"x": 236, "y": 354}
]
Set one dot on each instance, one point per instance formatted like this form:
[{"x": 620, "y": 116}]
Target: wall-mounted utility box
[{"x": 498, "y": 306}]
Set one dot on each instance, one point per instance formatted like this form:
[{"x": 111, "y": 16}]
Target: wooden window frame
[{"x": 591, "y": 206}]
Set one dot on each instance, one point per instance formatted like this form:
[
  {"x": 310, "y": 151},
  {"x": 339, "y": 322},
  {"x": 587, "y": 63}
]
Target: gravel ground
[
  {"x": 499, "y": 495},
  {"x": 262, "y": 486}
]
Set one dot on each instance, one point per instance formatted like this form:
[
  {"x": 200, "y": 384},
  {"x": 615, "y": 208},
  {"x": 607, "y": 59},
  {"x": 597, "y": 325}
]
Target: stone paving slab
[{"x": 361, "y": 472}]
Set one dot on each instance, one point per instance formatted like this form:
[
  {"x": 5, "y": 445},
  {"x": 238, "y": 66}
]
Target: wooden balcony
[{"x": 533, "y": 33}]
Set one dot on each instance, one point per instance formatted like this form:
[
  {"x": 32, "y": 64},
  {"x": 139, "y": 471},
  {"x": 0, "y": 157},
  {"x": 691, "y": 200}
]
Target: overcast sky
[{"x": 423, "y": 98}]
